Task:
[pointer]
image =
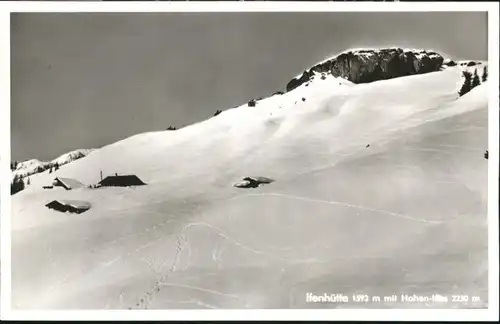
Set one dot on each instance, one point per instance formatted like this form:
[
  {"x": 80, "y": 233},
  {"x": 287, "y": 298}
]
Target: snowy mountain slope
[
  {"x": 72, "y": 156},
  {"x": 30, "y": 167},
  {"x": 405, "y": 215}
]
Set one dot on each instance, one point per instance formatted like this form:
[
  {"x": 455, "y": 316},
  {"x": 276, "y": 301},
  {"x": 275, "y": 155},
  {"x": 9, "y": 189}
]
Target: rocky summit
[{"x": 368, "y": 65}]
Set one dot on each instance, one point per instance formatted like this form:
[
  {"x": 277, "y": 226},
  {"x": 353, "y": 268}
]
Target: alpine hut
[
  {"x": 72, "y": 206},
  {"x": 67, "y": 183},
  {"x": 253, "y": 182},
  {"x": 121, "y": 181}
]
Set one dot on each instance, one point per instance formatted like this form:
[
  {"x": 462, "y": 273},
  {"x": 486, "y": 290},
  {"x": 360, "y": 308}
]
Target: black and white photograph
[{"x": 250, "y": 160}]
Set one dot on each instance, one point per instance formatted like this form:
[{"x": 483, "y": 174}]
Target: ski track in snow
[
  {"x": 331, "y": 202},
  {"x": 147, "y": 297},
  {"x": 162, "y": 281}
]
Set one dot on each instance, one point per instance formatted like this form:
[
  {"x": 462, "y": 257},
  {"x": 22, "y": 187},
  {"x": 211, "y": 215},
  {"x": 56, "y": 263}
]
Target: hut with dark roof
[{"x": 121, "y": 181}]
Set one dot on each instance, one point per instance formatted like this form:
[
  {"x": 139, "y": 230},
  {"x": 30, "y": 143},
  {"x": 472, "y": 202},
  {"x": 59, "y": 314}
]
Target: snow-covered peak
[
  {"x": 33, "y": 166},
  {"x": 71, "y": 156},
  {"x": 29, "y": 164}
]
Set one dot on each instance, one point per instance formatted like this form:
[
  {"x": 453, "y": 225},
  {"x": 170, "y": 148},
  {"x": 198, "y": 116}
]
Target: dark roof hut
[{"x": 121, "y": 181}]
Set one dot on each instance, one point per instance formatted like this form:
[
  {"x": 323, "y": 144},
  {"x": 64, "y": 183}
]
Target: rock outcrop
[{"x": 362, "y": 66}]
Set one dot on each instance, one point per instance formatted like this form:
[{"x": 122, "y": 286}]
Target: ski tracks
[
  {"x": 339, "y": 203},
  {"x": 181, "y": 242}
]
